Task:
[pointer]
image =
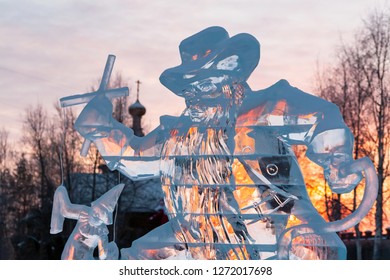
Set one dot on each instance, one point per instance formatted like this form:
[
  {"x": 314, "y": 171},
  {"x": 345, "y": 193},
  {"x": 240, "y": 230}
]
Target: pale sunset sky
[{"x": 52, "y": 49}]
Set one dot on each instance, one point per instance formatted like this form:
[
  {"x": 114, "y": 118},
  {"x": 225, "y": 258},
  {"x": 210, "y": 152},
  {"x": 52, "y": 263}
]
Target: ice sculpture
[
  {"x": 91, "y": 229},
  {"x": 231, "y": 181}
]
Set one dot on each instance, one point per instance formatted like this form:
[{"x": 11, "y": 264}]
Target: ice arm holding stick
[{"x": 116, "y": 143}]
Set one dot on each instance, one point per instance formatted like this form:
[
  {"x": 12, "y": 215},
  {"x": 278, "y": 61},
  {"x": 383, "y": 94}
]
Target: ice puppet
[
  {"x": 230, "y": 178},
  {"x": 91, "y": 229}
]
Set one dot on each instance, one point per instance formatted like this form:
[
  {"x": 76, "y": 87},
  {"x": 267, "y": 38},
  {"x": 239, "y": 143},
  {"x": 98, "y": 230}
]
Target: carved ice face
[
  {"x": 100, "y": 216},
  {"x": 203, "y": 79}
]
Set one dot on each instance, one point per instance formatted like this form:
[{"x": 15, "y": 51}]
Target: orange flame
[
  {"x": 71, "y": 253},
  {"x": 251, "y": 117}
]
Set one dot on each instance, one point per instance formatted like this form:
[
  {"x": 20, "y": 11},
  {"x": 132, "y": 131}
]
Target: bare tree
[
  {"x": 67, "y": 144},
  {"x": 377, "y": 40},
  {"x": 359, "y": 83},
  {"x": 26, "y": 196},
  {"x": 6, "y": 182},
  {"x": 4, "y": 151},
  {"x": 36, "y": 137},
  {"x": 3, "y": 148},
  {"x": 120, "y": 105}
]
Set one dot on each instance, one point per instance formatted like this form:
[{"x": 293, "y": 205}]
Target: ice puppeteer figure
[{"x": 230, "y": 178}]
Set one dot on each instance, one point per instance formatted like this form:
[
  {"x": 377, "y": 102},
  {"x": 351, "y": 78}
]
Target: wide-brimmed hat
[
  {"x": 209, "y": 46},
  {"x": 215, "y": 41}
]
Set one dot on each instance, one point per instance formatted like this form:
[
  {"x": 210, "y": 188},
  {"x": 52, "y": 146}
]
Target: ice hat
[
  {"x": 201, "y": 52},
  {"x": 109, "y": 199},
  {"x": 200, "y": 43},
  {"x": 215, "y": 41}
]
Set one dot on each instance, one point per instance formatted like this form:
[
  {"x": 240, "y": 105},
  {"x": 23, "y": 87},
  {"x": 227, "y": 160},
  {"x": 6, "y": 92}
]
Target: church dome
[{"x": 137, "y": 109}]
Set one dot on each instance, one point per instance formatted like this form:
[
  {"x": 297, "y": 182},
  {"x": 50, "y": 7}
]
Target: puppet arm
[{"x": 136, "y": 157}]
